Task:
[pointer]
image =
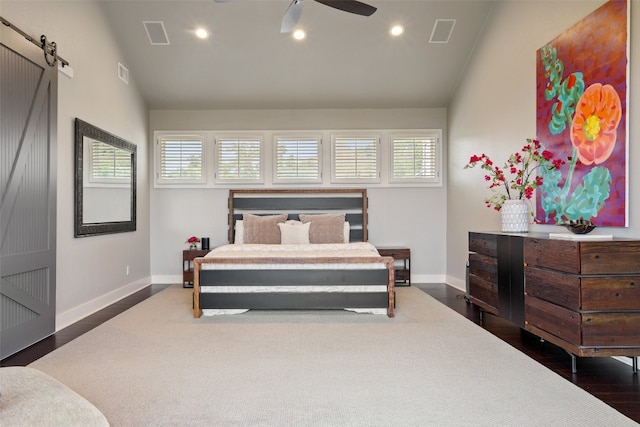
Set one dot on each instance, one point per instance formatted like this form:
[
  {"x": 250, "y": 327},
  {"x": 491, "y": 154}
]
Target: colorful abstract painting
[{"x": 581, "y": 79}]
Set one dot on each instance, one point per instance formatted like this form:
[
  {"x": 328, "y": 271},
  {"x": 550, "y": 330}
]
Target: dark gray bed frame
[{"x": 294, "y": 202}]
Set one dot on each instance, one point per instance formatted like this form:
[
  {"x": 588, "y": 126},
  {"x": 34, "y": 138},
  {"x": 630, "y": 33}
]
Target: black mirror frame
[{"x": 83, "y": 129}]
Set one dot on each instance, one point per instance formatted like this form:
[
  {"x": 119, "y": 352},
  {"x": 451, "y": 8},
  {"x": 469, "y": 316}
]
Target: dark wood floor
[{"x": 609, "y": 380}]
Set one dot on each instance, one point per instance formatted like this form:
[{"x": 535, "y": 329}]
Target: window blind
[
  {"x": 297, "y": 159},
  {"x": 414, "y": 157},
  {"x": 355, "y": 158},
  {"x": 181, "y": 159},
  {"x": 239, "y": 159}
]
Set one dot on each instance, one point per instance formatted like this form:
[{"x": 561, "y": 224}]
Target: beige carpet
[{"x": 155, "y": 365}]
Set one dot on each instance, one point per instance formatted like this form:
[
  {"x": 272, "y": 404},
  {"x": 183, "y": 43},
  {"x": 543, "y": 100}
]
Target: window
[
  {"x": 109, "y": 164},
  {"x": 355, "y": 158},
  {"x": 219, "y": 159},
  {"x": 239, "y": 159},
  {"x": 297, "y": 159},
  {"x": 180, "y": 158},
  {"x": 415, "y": 158}
]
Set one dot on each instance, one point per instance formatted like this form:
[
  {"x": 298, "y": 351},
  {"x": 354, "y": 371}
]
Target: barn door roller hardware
[{"x": 50, "y": 49}]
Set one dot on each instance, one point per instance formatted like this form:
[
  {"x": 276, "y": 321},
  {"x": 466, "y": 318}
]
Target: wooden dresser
[{"x": 583, "y": 296}]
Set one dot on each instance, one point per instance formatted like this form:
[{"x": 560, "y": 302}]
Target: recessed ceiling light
[
  {"x": 299, "y": 34},
  {"x": 396, "y": 30},
  {"x": 202, "y": 33}
]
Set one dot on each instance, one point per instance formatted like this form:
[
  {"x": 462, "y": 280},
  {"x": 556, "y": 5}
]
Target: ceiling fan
[{"x": 292, "y": 15}]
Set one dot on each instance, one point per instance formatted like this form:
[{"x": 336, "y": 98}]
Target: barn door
[{"x": 28, "y": 115}]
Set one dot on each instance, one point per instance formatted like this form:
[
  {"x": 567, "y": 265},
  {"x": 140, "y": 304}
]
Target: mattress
[{"x": 282, "y": 252}]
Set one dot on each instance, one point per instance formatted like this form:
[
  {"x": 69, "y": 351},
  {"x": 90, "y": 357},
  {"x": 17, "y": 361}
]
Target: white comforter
[
  {"x": 337, "y": 250},
  {"x": 356, "y": 249}
]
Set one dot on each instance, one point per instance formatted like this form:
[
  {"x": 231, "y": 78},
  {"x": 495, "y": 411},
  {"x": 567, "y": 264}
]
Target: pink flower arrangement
[
  {"x": 517, "y": 177},
  {"x": 193, "y": 241}
]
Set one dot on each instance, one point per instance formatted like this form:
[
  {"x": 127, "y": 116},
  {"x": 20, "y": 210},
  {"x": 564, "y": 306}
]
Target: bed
[{"x": 249, "y": 274}]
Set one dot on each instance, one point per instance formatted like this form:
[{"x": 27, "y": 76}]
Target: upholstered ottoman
[{"x": 32, "y": 398}]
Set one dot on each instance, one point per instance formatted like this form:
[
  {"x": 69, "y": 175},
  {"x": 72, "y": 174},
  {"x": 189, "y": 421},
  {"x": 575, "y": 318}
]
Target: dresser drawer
[
  {"x": 484, "y": 293},
  {"x": 560, "y": 255},
  {"x": 559, "y": 288},
  {"x": 611, "y": 293},
  {"x": 485, "y": 244},
  {"x": 618, "y": 257},
  {"x": 611, "y": 329},
  {"x": 555, "y": 320},
  {"x": 483, "y": 266},
  {"x": 606, "y": 257}
]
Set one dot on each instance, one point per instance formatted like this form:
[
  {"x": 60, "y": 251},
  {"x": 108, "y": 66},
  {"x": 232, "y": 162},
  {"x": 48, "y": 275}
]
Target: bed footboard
[{"x": 315, "y": 287}]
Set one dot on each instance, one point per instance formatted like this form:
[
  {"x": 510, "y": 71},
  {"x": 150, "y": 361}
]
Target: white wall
[
  {"x": 414, "y": 217},
  {"x": 91, "y": 271},
  {"x": 494, "y": 112}
]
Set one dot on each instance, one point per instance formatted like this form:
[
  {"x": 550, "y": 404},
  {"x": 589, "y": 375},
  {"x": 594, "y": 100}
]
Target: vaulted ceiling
[{"x": 345, "y": 61}]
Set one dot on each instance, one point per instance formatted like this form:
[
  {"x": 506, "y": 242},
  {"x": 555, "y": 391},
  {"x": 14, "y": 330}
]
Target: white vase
[{"x": 515, "y": 216}]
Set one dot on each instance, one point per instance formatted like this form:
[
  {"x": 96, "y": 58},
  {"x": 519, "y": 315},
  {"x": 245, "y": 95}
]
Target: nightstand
[
  {"x": 402, "y": 257},
  {"x": 188, "y": 255}
]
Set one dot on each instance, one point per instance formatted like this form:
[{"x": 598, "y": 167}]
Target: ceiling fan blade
[
  {"x": 351, "y": 6},
  {"x": 292, "y": 16}
]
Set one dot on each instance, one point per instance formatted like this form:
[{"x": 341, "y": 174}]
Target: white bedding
[
  {"x": 355, "y": 249},
  {"x": 332, "y": 250},
  {"x": 327, "y": 250}
]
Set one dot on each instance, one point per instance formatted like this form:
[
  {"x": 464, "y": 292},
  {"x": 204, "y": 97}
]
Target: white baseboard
[
  {"x": 457, "y": 283},
  {"x": 166, "y": 279},
  {"x": 427, "y": 278},
  {"x": 80, "y": 312}
]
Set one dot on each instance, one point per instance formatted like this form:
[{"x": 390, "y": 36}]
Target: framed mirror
[{"x": 105, "y": 182}]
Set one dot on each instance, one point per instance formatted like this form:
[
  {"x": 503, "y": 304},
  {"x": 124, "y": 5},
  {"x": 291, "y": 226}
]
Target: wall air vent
[
  {"x": 442, "y": 30},
  {"x": 123, "y": 73},
  {"x": 156, "y": 32}
]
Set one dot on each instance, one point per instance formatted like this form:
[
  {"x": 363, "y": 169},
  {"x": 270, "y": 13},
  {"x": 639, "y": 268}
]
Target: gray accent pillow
[
  {"x": 325, "y": 228},
  {"x": 262, "y": 229}
]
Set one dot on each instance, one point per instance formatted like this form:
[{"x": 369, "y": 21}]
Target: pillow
[
  {"x": 262, "y": 229},
  {"x": 325, "y": 228},
  {"x": 238, "y": 237},
  {"x": 347, "y": 232},
  {"x": 294, "y": 234}
]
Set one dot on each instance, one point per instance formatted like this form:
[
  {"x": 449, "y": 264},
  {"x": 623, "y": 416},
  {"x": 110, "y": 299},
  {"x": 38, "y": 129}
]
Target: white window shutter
[
  {"x": 297, "y": 159},
  {"x": 415, "y": 158},
  {"x": 180, "y": 159},
  {"x": 355, "y": 158},
  {"x": 239, "y": 160}
]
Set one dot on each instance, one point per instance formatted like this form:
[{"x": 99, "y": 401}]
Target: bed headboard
[{"x": 304, "y": 201}]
